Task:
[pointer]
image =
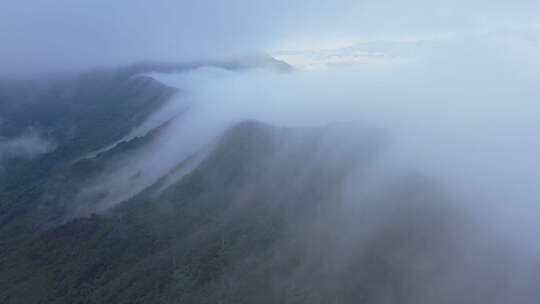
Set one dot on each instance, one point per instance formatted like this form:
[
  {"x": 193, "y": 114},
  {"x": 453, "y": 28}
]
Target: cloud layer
[{"x": 26, "y": 146}]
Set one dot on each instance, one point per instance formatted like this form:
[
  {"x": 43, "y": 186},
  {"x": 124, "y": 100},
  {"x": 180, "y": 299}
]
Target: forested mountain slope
[
  {"x": 248, "y": 225},
  {"x": 266, "y": 214}
]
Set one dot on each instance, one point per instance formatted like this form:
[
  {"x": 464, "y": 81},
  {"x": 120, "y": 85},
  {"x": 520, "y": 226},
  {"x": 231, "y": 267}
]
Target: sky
[{"x": 54, "y": 35}]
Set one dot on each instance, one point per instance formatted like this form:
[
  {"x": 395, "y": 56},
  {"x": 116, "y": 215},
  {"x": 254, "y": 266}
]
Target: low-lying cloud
[
  {"x": 463, "y": 111},
  {"x": 25, "y": 146},
  {"x": 465, "y": 114}
]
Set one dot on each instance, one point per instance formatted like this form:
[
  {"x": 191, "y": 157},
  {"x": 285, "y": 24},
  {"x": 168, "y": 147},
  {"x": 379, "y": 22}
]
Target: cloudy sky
[{"x": 44, "y": 35}]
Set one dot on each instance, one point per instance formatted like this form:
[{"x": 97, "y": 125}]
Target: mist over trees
[{"x": 269, "y": 152}]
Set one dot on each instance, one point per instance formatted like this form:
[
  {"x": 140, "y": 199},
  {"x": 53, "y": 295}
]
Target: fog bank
[
  {"x": 25, "y": 146},
  {"x": 466, "y": 119}
]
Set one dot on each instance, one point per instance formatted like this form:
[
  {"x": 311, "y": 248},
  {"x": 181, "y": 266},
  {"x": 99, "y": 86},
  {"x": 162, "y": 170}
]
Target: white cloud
[{"x": 28, "y": 145}]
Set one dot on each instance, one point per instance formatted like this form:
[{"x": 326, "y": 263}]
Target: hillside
[{"x": 266, "y": 214}]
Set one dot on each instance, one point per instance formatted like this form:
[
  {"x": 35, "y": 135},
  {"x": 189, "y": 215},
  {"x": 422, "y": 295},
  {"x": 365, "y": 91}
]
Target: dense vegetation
[
  {"x": 240, "y": 228},
  {"x": 79, "y": 115},
  {"x": 262, "y": 219}
]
